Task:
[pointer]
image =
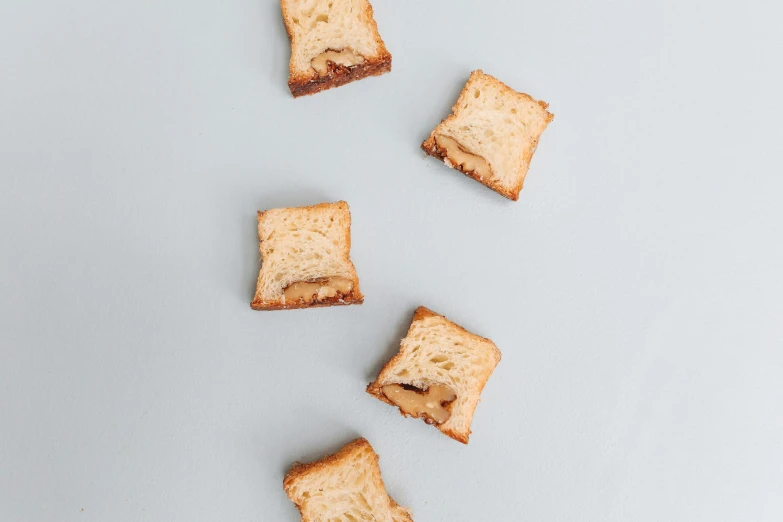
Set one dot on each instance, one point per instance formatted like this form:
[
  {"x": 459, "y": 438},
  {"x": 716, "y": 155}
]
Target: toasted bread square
[
  {"x": 438, "y": 374},
  {"x": 305, "y": 258},
  {"x": 333, "y": 42},
  {"x": 346, "y": 486},
  {"x": 491, "y": 134}
]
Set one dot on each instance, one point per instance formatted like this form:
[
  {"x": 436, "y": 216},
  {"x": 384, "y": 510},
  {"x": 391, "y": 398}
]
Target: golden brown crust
[
  {"x": 430, "y": 146},
  {"x": 376, "y": 388},
  {"x": 342, "y": 205},
  {"x": 459, "y": 437},
  {"x": 303, "y": 85},
  {"x": 354, "y": 297},
  {"x": 422, "y": 312}
]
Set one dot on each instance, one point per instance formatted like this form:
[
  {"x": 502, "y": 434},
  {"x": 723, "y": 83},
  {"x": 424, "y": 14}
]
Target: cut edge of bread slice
[
  {"x": 403, "y": 369},
  {"x": 263, "y": 301},
  {"x": 467, "y": 96},
  {"x": 308, "y": 483},
  {"x": 303, "y": 81}
]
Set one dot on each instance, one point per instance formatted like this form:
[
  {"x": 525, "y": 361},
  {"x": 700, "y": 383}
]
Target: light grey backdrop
[{"x": 635, "y": 289}]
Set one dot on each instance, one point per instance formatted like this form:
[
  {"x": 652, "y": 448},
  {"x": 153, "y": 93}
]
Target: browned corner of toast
[
  {"x": 430, "y": 147},
  {"x": 423, "y": 312}
]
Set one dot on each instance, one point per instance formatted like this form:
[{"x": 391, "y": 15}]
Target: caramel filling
[
  {"x": 346, "y": 58},
  {"x": 318, "y": 289},
  {"x": 417, "y": 403},
  {"x": 456, "y": 156}
]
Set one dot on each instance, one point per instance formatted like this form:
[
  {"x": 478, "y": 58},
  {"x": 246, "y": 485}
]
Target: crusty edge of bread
[
  {"x": 304, "y": 85},
  {"x": 376, "y": 389},
  {"x": 298, "y": 468},
  {"x": 323, "y": 465},
  {"x": 355, "y": 297},
  {"x": 339, "y": 75},
  {"x": 430, "y": 147},
  {"x": 269, "y": 306}
]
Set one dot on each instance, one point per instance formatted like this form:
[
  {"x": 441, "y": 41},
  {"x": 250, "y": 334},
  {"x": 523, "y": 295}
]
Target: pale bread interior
[
  {"x": 316, "y": 26},
  {"x": 345, "y": 487},
  {"x": 499, "y": 124},
  {"x": 303, "y": 244},
  {"x": 437, "y": 351}
]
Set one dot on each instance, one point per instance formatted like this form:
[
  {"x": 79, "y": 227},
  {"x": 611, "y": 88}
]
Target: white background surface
[{"x": 635, "y": 289}]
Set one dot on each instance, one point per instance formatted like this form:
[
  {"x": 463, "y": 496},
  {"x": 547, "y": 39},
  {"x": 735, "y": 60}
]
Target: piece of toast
[
  {"x": 305, "y": 258},
  {"x": 344, "y": 486},
  {"x": 442, "y": 368},
  {"x": 333, "y": 42},
  {"x": 491, "y": 134}
]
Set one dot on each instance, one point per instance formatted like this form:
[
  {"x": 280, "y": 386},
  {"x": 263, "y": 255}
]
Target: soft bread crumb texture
[
  {"x": 341, "y": 31},
  {"x": 346, "y": 486},
  {"x": 492, "y": 121},
  {"x": 304, "y": 245},
  {"x": 438, "y": 352}
]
